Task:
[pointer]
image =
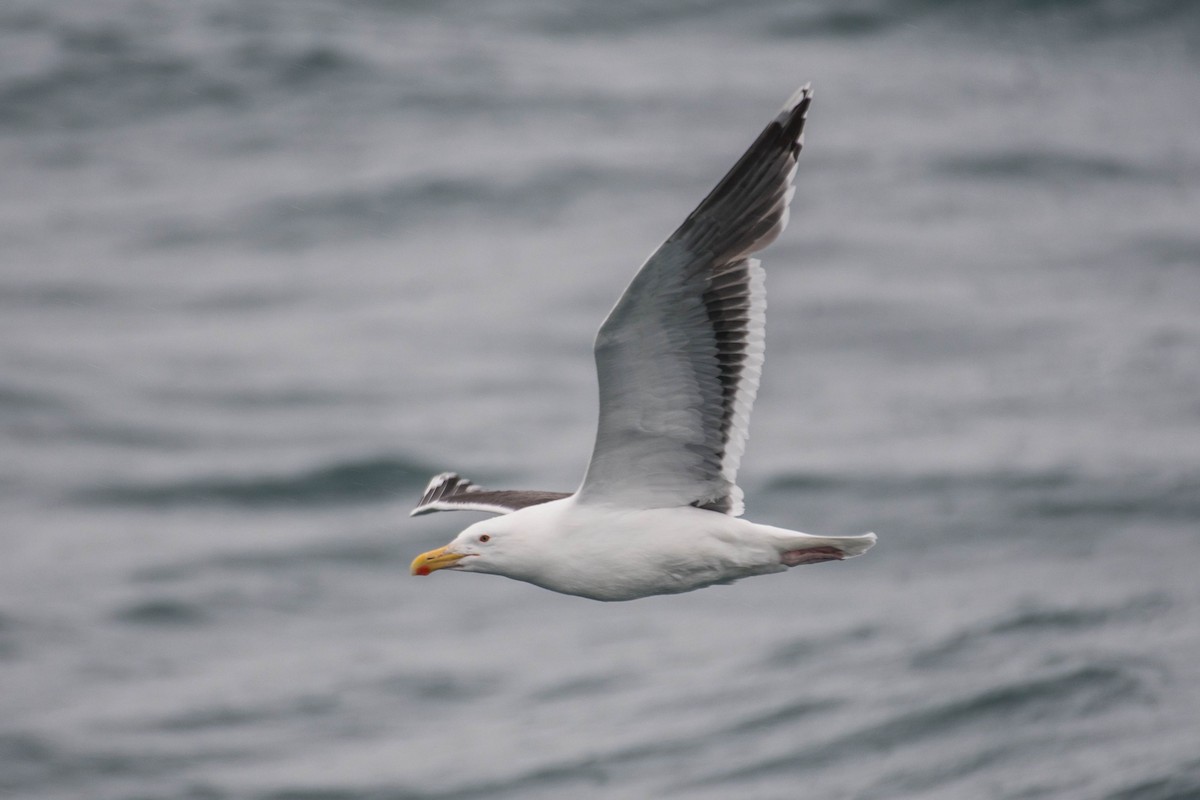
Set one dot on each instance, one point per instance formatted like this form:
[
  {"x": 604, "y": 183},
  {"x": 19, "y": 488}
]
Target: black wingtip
[
  {"x": 802, "y": 96},
  {"x": 441, "y": 485},
  {"x": 793, "y": 115}
]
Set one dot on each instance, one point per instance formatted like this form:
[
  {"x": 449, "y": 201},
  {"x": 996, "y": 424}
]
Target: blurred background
[{"x": 267, "y": 266}]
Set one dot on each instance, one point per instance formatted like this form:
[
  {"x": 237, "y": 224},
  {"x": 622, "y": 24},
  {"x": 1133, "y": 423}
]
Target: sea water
[{"x": 269, "y": 266}]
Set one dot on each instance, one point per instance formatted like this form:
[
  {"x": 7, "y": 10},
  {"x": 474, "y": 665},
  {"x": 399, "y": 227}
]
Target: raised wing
[
  {"x": 451, "y": 492},
  {"x": 680, "y": 355}
]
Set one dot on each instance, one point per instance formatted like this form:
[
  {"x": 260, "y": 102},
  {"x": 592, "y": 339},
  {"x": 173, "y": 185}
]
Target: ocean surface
[{"x": 268, "y": 266}]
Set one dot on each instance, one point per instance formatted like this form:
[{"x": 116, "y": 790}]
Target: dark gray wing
[
  {"x": 680, "y": 355},
  {"x": 451, "y": 492}
]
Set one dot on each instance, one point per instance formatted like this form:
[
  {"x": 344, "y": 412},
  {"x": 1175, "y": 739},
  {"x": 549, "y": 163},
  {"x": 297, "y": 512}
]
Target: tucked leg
[{"x": 814, "y": 555}]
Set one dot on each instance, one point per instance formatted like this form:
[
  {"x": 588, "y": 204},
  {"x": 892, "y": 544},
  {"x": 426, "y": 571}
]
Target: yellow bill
[{"x": 434, "y": 560}]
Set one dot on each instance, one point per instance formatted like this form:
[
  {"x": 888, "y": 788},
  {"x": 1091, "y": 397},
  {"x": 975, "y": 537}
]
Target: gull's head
[{"x": 487, "y": 546}]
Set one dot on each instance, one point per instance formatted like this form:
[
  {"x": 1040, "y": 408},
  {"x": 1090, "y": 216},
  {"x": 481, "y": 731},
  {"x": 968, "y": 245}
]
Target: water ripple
[
  {"x": 383, "y": 207},
  {"x": 1083, "y": 691},
  {"x": 1056, "y": 621},
  {"x": 365, "y": 480},
  {"x": 1181, "y": 782},
  {"x": 161, "y": 612},
  {"x": 1053, "y": 167}
]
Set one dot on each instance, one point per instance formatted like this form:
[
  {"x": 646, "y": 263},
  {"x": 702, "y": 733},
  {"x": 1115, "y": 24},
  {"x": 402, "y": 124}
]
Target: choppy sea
[{"x": 267, "y": 266}]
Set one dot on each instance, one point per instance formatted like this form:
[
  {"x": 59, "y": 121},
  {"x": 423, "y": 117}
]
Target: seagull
[{"x": 678, "y": 361}]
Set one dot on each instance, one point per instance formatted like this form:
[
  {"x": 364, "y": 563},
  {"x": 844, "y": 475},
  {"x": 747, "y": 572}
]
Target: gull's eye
[{"x": 484, "y": 537}]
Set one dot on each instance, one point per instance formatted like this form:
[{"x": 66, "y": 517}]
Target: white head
[{"x": 493, "y": 546}]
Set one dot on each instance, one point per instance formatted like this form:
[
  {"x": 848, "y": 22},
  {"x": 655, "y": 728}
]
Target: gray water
[{"x": 268, "y": 266}]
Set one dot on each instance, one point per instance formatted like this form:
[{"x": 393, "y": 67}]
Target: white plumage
[{"x": 678, "y": 361}]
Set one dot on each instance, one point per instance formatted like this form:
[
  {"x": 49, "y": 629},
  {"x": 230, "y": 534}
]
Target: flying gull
[{"x": 678, "y": 361}]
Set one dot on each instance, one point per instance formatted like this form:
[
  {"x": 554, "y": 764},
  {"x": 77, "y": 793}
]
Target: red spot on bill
[{"x": 423, "y": 570}]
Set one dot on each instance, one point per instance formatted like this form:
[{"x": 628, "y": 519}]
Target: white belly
[{"x": 624, "y": 555}]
